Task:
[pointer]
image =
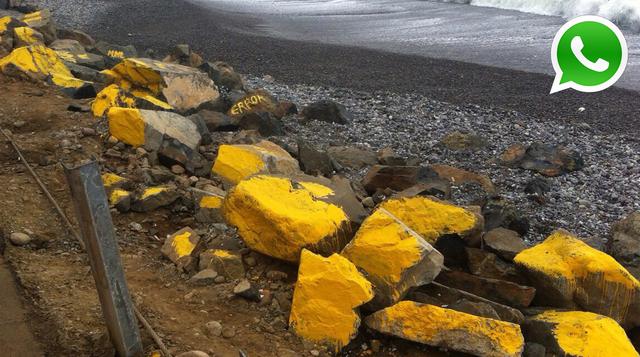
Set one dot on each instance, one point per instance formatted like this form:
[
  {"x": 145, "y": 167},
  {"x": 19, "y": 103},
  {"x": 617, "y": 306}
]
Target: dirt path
[{"x": 16, "y": 337}]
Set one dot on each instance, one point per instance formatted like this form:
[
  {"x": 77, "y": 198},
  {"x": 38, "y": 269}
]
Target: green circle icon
[{"x": 589, "y": 54}]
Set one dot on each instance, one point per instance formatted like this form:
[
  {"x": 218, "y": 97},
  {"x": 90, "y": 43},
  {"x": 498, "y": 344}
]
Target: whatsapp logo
[{"x": 589, "y": 54}]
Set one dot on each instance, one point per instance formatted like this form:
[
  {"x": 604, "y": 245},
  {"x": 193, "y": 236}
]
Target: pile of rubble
[{"x": 390, "y": 248}]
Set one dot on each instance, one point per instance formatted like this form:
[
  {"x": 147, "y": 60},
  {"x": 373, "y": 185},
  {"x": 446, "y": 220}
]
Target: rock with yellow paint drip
[
  {"x": 432, "y": 218},
  {"x": 26, "y": 36},
  {"x": 149, "y": 129},
  {"x": 113, "y": 181},
  {"x": 280, "y": 217},
  {"x": 120, "y": 199},
  {"x": 184, "y": 88},
  {"x": 8, "y": 23},
  {"x": 567, "y": 273},
  {"x": 394, "y": 256},
  {"x": 226, "y": 263},
  {"x": 116, "y": 96},
  {"x": 579, "y": 334},
  {"x": 174, "y": 137},
  {"x": 42, "y": 21},
  {"x": 445, "y": 328},
  {"x": 155, "y": 197},
  {"x": 326, "y": 298},
  {"x": 235, "y": 163},
  {"x": 41, "y": 63},
  {"x": 179, "y": 246},
  {"x": 73, "y": 51},
  {"x": 209, "y": 209}
]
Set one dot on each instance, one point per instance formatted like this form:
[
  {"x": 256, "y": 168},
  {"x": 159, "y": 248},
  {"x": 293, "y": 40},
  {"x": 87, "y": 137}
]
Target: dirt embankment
[{"x": 56, "y": 283}]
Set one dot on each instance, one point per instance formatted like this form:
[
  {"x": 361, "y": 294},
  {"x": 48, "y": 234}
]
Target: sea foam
[{"x": 625, "y": 13}]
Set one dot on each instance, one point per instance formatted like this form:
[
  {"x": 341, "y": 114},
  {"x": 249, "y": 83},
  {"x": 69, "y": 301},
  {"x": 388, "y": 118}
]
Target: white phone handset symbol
[{"x": 577, "y": 46}]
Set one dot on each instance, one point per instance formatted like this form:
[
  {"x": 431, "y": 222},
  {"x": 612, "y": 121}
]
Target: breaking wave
[{"x": 625, "y": 13}]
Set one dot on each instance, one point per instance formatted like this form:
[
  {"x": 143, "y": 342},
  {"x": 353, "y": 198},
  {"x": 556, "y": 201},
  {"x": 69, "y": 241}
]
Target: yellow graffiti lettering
[
  {"x": 247, "y": 104},
  {"x": 115, "y": 54}
]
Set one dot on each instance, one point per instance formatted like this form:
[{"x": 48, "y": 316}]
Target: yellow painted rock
[
  {"x": 235, "y": 163},
  {"x": 325, "y": 301},
  {"x": 73, "y": 51},
  {"x": 42, "y": 21},
  {"x": 579, "y": 334},
  {"x": 7, "y": 23},
  {"x": 112, "y": 181},
  {"x": 179, "y": 246},
  {"x": 155, "y": 197},
  {"x": 183, "y": 87},
  {"x": 279, "y": 217},
  {"x": 210, "y": 209},
  {"x": 116, "y": 96},
  {"x": 41, "y": 63},
  {"x": 148, "y": 128},
  {"x": 224, "y": 262},
  {"x": 394, "y": 256},
  {"x": 120, "y": 199},
  {"x": 445, "y": 328},
  {"x": 432, "y": 218},
  {"x": 568, "y": 273},
  {"x": 254, "y": 101},
  {"x": 26, "y": 36}
]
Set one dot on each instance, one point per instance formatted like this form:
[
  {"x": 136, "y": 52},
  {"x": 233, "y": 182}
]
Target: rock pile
[{"x": 389, "y": 247}]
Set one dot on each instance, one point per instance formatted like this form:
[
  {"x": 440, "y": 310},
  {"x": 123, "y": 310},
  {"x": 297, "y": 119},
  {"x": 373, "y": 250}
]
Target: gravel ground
[
  {"x": 231, "y": 37},
  {"x": 415, "y": 119},
  {"x": 586, "y": 202}
]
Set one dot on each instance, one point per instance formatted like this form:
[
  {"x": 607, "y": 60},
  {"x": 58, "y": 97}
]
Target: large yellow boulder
[
  {"x": 568, "y": 273},
  {"x": 579, "y": 334},
  {"x": 325, "y": 301},
  {"x": 280, "y": 217},
  {"x": 450, "y": 329},
  {"x": 235, "y": 163},
  {"x": 41, "y": 63},
  {"x": 432, "y": 218},
  {"x": 184, "y": 88},
  {"x": 116, "y": 96},
  {"x": 394, "y": 256}
]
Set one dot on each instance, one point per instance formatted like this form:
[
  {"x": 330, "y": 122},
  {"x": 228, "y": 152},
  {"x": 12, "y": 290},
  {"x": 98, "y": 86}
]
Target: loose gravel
[{"x": 586, "y": 202}]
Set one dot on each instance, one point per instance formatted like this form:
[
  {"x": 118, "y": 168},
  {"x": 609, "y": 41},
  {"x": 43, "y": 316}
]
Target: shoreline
[{"x": 215, "y": 35}]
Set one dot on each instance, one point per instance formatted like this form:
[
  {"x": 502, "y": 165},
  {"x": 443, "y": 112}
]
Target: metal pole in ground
[{"x": 98, "y": 234}]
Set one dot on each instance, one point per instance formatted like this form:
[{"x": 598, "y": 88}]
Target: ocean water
[
  {"x": 476, "y": 31},
  {"x": 625, "y": 13}
]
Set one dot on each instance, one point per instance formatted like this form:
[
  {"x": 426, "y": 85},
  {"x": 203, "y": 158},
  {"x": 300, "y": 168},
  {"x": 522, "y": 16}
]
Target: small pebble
[{"x": 19, "y": 238}]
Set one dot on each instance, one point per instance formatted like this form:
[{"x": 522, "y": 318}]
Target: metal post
[{"x": 97, "y": 230}]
